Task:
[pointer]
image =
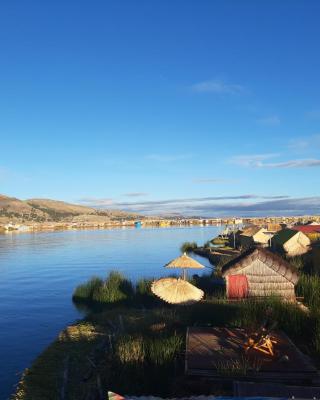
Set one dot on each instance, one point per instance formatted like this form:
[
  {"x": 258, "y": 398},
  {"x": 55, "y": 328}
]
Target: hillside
[
  {"x": 46, "y": 210},
  {"x": 13, "y": 208},
  {"x": 59, "y": 209}
]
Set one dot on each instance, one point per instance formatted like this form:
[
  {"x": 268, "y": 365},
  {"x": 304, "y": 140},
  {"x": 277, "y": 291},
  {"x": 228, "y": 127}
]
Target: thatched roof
[
  {"x": 184, "y": 261},
  {"x": 250, "y": 231},
  {"x": 283, "y": 236},
  {"x": 176, "y": 291},
  {"x": 273, "y": 261},
  {"x": 307, "y": 228}
]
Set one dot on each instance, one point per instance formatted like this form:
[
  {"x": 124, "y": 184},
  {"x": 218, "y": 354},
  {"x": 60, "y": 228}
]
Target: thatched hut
[
  {"x": 312, "y": 231},
  {"x": 291, "y": 242},
  {"x": 253, "y": 235},
  {"x": 258, "y": 273}
]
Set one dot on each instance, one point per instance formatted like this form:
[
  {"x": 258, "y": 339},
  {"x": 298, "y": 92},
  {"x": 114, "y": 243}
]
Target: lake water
[{"x": 38, "y": 272}]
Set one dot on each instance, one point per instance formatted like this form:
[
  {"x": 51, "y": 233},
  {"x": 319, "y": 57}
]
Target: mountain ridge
[{"x": 48, "y": 210}]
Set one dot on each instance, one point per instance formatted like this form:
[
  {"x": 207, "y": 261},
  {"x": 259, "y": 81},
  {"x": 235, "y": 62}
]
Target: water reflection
[{"x": 38, "y": 272}]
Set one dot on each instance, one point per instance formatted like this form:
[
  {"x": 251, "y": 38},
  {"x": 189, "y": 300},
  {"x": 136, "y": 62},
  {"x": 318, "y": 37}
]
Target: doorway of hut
[{"x": 237, "y": 286}]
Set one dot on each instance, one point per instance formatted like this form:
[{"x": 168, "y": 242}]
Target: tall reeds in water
[
  {"x": 309, "y": 288},
  {"x": 115, "y": 289}
]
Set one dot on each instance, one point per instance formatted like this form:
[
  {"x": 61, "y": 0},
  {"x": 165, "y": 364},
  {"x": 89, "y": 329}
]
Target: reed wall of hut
[
  {"x": 266, "y": 274},
  {"x": 264, "y": 281}
]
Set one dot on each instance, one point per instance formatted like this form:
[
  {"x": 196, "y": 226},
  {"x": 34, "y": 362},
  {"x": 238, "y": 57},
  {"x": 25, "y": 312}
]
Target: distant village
[
  {"x": 296, "y": 241},
  {"x": 268, "y": 226},
  {"x": 45, "y": 214},
  {"x": 292, "y": 237}
]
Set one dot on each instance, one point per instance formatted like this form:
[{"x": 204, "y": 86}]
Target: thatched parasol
[
  {"x": 184, "y": 262},
  {"x": 176, "y": 291}
]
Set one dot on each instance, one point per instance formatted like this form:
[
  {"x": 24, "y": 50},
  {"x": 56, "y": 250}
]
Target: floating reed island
[{"x": 133, "y": 343}]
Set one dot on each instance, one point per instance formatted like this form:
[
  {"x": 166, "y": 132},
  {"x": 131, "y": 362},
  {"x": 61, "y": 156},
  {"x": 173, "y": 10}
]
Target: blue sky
[{"x": 200, "y": 107}]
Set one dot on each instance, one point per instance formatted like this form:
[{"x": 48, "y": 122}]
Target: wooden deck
[{"x": 219, "y": 353}]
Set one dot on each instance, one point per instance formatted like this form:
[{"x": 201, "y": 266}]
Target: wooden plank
[{"x": 209, "y": 350}]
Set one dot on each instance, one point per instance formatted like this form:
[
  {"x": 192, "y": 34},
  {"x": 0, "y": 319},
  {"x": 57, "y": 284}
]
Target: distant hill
[
  {"x": 12, "y": 208},
  {"x": 42, "y": 210},
  {"x": 58, "y": 209}
]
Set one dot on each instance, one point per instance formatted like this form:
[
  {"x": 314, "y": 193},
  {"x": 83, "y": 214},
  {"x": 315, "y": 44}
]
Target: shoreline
[
  {"x": 215, "y": 255},
  {"x": 66, "y": 227},
  {"x": 20, "y": 226}
]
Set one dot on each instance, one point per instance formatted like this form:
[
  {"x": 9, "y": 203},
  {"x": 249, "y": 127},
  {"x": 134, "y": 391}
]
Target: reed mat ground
[{"x": 141, "y": 351}]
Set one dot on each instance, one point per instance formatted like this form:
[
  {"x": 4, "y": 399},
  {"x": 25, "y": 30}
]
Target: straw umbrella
[
  {"x": 176, "y": 291},
  {"x": 184, "y": 262}
]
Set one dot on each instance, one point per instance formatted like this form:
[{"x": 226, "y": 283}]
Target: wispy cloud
[
  {"x": 168, "y": 157},
  {"x": 98, "y": 202},
  {"x": 158, "y": 206},
  {"x": 313, "y": 114},
  {"x": 272, "y": 120},
  {"x": 184, "y": 200},
  {"x": 258, "y": 161},
  {"x": 293, "y": 164},
  {"x": 136, "y": 194},
  {"x": 290, "y": 206},
  {"x": 242, "y": 205},
  {"x": 305, "y": 143},
  {"x": 253, "y": 160},
  {"x": 214, "y": 181},
  {"x": 298, "y": 144},
  {"x": 217, "y": 86}
]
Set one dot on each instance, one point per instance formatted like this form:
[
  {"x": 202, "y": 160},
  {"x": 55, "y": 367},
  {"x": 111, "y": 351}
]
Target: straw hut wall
[{"x": 259, "y": 273}]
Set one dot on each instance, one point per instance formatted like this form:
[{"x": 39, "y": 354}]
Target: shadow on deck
[{"x": 219, "y": 354}]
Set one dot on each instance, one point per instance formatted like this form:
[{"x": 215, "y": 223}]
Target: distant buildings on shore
[{"x": 260, "y": 227}]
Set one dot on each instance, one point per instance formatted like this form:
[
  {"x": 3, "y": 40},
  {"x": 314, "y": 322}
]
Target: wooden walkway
[{"x": 219, "y": 353}]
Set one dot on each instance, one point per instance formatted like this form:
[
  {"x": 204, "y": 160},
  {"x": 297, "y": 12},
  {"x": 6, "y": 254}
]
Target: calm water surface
[{"x": 38, "y": 273}]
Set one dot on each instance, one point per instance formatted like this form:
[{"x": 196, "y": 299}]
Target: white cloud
[
  {"x": 99, "y": 202},
  {"x": 272, "y": 120},
  {"x": 217, "y": 86},
  {"x": 280, "y": 206},
  {"x": 304, "y": 143},
  {"x": 258, "y": 161},
  {"x": 136, "y": 194},
  {"x": 214, "y": 180},
  {"x": 247, "y": 204},
  {"x": 293, "y": 164},
  {"x": 168, "y": 157},
  {"x": 313, "y": 114},
  {"x": 253, "y": 160}
]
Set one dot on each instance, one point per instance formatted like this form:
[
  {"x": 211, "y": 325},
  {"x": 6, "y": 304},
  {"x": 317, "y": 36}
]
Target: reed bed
[
  {"x": 136, "y": 342},
  {"x": 188, "y": 247},
  {"x": 116, "y": 288},
  {"x": 309, "y": 288},
  {"x": 145, "y": 346}
]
